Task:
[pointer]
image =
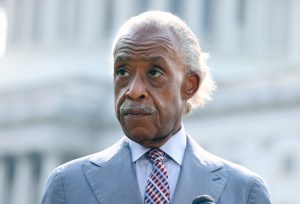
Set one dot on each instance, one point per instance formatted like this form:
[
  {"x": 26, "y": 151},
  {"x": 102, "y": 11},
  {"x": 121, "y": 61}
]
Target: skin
[{"x": 151, "y": 85}]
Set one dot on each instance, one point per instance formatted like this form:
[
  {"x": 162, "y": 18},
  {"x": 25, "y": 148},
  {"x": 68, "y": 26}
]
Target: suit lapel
[
  {"x": 111, "y": 175},
  {"x": 201, "y": 174}
]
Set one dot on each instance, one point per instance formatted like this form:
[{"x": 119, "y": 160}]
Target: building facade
[{"x": 56, "y": 91}]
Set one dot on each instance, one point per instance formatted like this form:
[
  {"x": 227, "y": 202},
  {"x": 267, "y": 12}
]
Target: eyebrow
[
  {"x": 159, "y": 59},
  {"x": 122, "y": 58}
]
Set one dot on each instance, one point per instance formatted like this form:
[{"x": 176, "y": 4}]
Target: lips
[{"x": 136, "y": 112}]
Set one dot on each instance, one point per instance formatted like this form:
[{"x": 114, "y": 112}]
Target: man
[{"x": 159, "y": 75}]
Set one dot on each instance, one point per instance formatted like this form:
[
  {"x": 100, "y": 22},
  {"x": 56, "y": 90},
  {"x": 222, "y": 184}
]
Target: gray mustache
[{"x": 129, "y": 107}]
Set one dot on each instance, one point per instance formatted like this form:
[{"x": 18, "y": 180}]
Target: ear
[{"x": 190, "y": 85}]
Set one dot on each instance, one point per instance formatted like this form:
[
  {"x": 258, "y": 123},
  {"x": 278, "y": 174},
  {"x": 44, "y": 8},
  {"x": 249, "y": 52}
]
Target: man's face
[{"x": 148, "y": 78}]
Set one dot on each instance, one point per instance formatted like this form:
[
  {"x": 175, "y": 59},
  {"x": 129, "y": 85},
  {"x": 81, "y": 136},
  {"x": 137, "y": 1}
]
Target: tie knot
[{"x": 155, "y": 155}]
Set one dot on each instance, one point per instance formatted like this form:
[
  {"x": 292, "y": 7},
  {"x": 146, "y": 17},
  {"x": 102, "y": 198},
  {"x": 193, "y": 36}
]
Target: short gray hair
[{"x": 192, "y": 56}]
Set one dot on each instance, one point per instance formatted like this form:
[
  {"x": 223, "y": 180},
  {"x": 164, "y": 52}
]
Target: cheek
[
  {"x": 169, "y": 102},
  {"x": 119, "y": 98}
]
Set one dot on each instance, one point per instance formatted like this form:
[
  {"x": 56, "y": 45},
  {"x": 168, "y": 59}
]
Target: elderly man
[{"x": 159, "y": 75}]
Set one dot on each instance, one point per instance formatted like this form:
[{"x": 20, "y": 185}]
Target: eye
[
  {"x": 155, "y": 72},
  {"x": 122, "y": 72}
]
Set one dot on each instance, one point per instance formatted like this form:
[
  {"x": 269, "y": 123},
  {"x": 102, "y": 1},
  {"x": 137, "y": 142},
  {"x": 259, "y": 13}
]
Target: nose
[{"x": 137, "y": 89}]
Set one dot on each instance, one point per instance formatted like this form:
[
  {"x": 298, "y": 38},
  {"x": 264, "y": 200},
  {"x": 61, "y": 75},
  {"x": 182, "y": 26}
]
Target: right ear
[{"x": 190, "y": 85}]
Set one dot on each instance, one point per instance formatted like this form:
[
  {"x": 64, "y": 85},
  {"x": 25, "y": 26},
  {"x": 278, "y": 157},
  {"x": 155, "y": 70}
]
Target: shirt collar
[{"x": 174, "y": 147}]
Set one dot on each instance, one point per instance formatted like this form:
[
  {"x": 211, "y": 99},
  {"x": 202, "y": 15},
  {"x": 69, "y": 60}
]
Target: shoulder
[
  {"x": 241, "y": 182},
  {"x": 99, "y": 158},
  {"x": 68, "y": 181},
  {"x": 247, "y": 183},
  {"x": 215, "y": 163},
  {"x": 244, "y": 176},
  {"x": 67, "y": 171}
]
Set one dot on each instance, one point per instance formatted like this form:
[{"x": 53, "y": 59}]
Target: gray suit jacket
[{"x": 109, "y": 177}]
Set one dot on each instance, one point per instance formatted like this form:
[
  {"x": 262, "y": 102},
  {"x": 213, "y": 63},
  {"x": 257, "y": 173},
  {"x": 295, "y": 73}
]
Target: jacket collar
[
  {"x": 112, "y": 177},
  {"x": 201, "y": 174}
]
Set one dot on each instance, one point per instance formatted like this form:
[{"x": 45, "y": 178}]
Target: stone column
[
  {"x": 49, "y": 163},
  {"x": 92, "y": 23},
  {"x": 25, "y": 23},
  {"x": 160, "y": 5},
  {"x": 22, "y": 181},
  {"x": 122, "y": 11},
  {"x": 225, "y": 26},
  {"x": 294, "y": 30},
  {"x": 11, "y": 21},
  {"x": 3, "y": 27},
  {"x": 3, "y": 193},
  {"x": 255, "y": 33},
  {"x": 20, "y": 21},
  {"x": 48, "y": 21},
  {"x": 278, "y": 28},
  {"x": 193, "y": 13}
]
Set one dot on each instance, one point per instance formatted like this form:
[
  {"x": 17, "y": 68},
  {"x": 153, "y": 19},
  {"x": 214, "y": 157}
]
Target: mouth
[
  {"x": 141, "y": 113},
  {"x": 136, "y": 117}
]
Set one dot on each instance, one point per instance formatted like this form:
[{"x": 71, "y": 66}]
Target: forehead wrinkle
[
  {"x": 130, "y": 44},
  {"x": 128, "y": 53},
  {"x": 159, "y": 38}
]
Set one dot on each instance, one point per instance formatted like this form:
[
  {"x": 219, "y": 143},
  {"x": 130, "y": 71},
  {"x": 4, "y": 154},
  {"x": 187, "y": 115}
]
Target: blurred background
[{"x": 56, "y": 88}]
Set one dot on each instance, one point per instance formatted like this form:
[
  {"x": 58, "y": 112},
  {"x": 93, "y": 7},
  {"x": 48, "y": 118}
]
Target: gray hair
[{"x": 192, "y": 56}]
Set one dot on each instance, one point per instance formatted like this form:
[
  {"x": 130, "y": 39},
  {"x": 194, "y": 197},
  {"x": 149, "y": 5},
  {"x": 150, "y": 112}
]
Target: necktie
[{"x": 157, "y": 189}]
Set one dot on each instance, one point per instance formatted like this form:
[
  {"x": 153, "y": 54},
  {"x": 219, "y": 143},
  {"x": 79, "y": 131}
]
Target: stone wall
[{"x": 56, "y": 91}]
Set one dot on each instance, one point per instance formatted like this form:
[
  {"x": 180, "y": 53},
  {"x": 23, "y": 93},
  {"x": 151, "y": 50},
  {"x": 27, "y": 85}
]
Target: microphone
[{"x": 203, "y": 199}]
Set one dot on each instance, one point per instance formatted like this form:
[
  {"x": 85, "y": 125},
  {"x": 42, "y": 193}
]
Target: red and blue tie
[{"x": 157, "y": 189}]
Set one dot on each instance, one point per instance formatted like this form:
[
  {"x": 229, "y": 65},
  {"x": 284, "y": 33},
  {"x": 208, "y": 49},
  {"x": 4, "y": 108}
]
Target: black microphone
[{"x": 203, "y": 199}]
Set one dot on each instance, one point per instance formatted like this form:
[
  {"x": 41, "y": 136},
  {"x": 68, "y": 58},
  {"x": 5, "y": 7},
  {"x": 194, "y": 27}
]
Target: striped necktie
[{"x": 157, "y": 189}]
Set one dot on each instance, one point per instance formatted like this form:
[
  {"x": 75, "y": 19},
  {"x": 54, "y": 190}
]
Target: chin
[
  {"x": 139, "y": 137},
  {"x": 139, "y": 132},
  {"x": 149, "y": 141}
]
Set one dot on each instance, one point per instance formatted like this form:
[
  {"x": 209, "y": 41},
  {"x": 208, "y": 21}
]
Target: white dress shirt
[{"x": 174, "y": 147}]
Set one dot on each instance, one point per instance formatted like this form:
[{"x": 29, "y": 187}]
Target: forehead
[{"x": 143, "y": 41}]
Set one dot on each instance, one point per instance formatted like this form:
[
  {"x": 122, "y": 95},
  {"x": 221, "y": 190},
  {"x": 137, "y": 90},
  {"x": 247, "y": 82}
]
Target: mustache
[{"x": 131, "y": 107}]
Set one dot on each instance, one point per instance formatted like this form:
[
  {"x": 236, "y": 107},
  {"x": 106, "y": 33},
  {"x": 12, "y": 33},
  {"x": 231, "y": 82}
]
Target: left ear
[{"x": 190, "y": 85}]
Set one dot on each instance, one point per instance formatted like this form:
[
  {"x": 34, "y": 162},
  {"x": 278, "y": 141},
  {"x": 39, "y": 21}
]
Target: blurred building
[{"x": 56, "y": 97}]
